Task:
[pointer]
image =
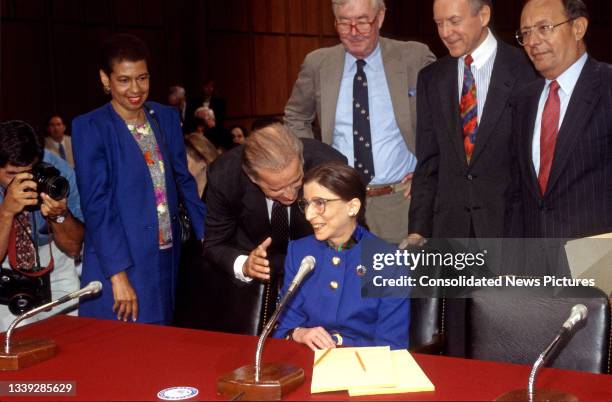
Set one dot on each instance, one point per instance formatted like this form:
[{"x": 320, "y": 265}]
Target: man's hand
[
  {"x": 314, "y": 338},
  {"x": 257, "y": 265},
  {"x": 407, "y": 180},
  {"x": 126, "y": 304},
  {"x": 20, "y": 193},
  {"x": 51, "y": 208},
  {"x": 413, "y": 239}
]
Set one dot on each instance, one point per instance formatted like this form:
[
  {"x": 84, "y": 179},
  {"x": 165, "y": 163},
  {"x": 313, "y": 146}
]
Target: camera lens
[
  {"x": 56, "y": 187},
  {"x": 21, "y": 303}
]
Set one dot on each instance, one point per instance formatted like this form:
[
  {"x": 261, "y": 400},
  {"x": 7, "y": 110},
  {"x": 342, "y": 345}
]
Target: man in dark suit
[
  {"x": 564, "y": 135},
  {"x": 463, "y": 143},
  {"x": 252, "y": 213},
  {"x": 464, "y": 162}
]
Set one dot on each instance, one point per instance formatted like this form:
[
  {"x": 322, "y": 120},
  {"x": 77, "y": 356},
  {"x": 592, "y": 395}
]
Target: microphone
[
  {"x": 91, "y": 288},
  {"x": 578, "y": 314},
  {"x": 306, "y": 267}
]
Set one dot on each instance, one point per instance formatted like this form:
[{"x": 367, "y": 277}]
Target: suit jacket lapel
[
  {"x": 500, "y": 88},
  {"x": 397, "y": 82},
  {"x": 530, "y": 111},
  {"x": 331, "y": 76},
  {"x": 580, "y": 108},
  {"x": 255, "y": 209},
  {"x": 449, "y": 100}
]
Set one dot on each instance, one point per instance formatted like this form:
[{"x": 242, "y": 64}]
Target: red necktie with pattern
[
  {"x": 469, "y": 109},
  {"x": 548, "y": 134},
  {"x": 24, "y": 247}
]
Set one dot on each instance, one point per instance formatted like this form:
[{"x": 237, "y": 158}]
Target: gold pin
[
  {"x": 333, "y": 285},
  {"x": 336, "y": 261}
]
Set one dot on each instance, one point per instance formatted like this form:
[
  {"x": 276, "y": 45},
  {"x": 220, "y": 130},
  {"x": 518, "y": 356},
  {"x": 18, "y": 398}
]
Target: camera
[
  {"x": 49, "y": 181},
  {"x": 23, "y": 293}
]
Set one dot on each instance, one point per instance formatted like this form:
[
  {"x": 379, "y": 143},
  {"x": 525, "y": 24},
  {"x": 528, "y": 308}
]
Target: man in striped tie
[
  {"x": 57, "y": 141},
  {"x": 564, "y": 129},
  {"x": 463, "y": 143}
]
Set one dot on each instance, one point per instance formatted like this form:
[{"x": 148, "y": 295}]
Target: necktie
[
  {"x": 62, "y": 151},
  {"x": 362, "y": 138},
  {"x": 469, "y": 109},
  {"x": 279, "y": 223},
  {"x": 24, "y": 247},
  {"x": 548, "y": 134}
]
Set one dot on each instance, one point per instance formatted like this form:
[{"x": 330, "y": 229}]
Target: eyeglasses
[
  {"x": 317, "y": 203},
  {"x": 543, "y": 30},
  {"x": 362, "y": 27}
]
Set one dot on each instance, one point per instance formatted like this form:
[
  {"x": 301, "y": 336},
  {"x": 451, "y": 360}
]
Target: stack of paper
[
  {"x": 591, "y": 258},
  {"x": 368, "y": 371}
]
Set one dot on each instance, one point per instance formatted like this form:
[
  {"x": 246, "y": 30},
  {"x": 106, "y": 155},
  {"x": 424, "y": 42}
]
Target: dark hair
[
  {"x": 52, "y": 115},
  {"x": 575, "y": 9},
  {"x": 342, "y": 180},
  {"x": 120, "y": 47},
  {"x": 19, "y": 144},
  {"x": 264, "y": 122}
]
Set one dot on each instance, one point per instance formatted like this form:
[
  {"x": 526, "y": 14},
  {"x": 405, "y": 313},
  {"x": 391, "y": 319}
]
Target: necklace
[{"x": 139, "y": 120}]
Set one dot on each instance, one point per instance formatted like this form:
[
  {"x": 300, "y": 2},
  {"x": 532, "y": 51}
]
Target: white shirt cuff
[{"x": 240, "y": 260}]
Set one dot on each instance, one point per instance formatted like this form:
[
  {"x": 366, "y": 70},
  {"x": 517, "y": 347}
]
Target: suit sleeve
[
  {"x": 293, "y": 316},
  {"x": 221, "y": 223},
  {"x": 300, "y": 110},
  {"x": 93, "y": 170},
  {"x": 425, "y": 180},
  {"x": 184, "y": 181}
]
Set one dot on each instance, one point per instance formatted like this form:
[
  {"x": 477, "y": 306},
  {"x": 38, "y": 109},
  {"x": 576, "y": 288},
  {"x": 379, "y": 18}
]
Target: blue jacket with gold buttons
[{"x": 330, "y": 297}]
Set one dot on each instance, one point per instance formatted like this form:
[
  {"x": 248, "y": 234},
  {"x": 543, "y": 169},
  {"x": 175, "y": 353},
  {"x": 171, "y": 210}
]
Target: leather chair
[
  {"x": 426, "y": 332},
  {"x": 516, "y": 324}
]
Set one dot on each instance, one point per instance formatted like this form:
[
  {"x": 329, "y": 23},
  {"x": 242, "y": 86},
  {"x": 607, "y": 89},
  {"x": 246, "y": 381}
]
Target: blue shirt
[
  {"x": 567, "y": 82},
  {"x": 392, "y": 159},
  {"x": 74, "y": 204}
]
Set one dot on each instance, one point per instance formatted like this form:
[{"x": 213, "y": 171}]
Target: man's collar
[
  {"x": 568, "y": 79},
  {"x": 484, "y": 51}
]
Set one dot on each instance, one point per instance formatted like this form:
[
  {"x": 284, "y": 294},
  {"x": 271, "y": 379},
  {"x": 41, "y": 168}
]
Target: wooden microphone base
[
  {"x": 26, "y": 353},
  {"x": 539, "y": 395},
  {"x": 276, "y": 380}
]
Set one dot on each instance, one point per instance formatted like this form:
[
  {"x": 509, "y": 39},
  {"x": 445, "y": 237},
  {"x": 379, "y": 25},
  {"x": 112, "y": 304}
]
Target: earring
[
  {"x": 351, "y": 214},
  {"x": 106, "y": 89}
]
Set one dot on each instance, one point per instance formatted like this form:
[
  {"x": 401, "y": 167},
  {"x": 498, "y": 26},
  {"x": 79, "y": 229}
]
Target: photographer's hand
[
  {"x": 126, "y": 303},
  {"x": 20, "y": 193},
  {"x": 51, "y": 208}
]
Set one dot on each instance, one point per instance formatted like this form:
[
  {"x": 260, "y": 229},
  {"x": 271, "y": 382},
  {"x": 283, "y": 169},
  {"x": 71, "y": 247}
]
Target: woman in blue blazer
[
  {"x": 328, "y": 310},
  {"x": 132, "y": 172}
]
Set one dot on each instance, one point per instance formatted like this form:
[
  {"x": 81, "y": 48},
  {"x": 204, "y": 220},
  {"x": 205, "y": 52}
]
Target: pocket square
[{"x": 411, "y": 92}]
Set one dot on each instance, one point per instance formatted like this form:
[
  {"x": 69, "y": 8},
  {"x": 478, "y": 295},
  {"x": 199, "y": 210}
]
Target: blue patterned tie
[
  {"x": 62, "y": 151},
  {"x": 362, "y": 138}
]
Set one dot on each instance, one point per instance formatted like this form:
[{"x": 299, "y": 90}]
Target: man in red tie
[{"x": 563, "y": 126}]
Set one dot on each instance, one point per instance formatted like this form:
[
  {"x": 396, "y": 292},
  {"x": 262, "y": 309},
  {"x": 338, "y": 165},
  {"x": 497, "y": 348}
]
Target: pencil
[
  {"x": 360, "y": 361},
  {"x": 322, "y": 356}
]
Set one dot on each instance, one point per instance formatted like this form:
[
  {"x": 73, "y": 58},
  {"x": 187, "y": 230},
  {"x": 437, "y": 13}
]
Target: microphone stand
[{"x": 29, "y": 352}]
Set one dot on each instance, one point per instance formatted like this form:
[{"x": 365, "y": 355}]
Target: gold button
[
  {"x": 336, "y": 261},
  {"x": 333, "y": 285}
]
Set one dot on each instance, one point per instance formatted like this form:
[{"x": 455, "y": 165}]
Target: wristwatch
[{"x": 60, "y": 218}]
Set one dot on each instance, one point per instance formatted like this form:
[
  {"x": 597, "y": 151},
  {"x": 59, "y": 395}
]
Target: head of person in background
[
  {"x": 273, "y": 160},
  {"x": 552, "y": 33},
  {"x": 239, "y": 134},
  {"x": 56, "y": 129},
  {"x": 208, "y": 89},
  {"x": 334, "y": 202},
  {"x": 200, "y": 153},
  {"x": 207, "y": 116},
  {"x": 125, "y": 75},
  {"x": 177, "y": 99},
  {"x": 462, "y": 24},
  {"x": 358, "y": 24}
]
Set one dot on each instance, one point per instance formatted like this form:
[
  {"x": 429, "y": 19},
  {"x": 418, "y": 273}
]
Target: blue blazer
[
  {"x": 120, "y": 211},
  {"x": 360, "y": 321}
]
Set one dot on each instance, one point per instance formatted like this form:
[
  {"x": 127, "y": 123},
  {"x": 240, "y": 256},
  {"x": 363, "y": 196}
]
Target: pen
[
  {"x": 322, "y": 356},
  {"x": 360, "y": 361}
]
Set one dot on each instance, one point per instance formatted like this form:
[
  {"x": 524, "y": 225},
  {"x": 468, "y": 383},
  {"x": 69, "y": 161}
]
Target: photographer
[{"x": 37, "y": 232}]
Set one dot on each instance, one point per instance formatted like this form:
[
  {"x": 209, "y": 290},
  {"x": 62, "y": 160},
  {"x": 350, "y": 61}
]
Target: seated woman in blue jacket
[{"x": 328, "y": 310}]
